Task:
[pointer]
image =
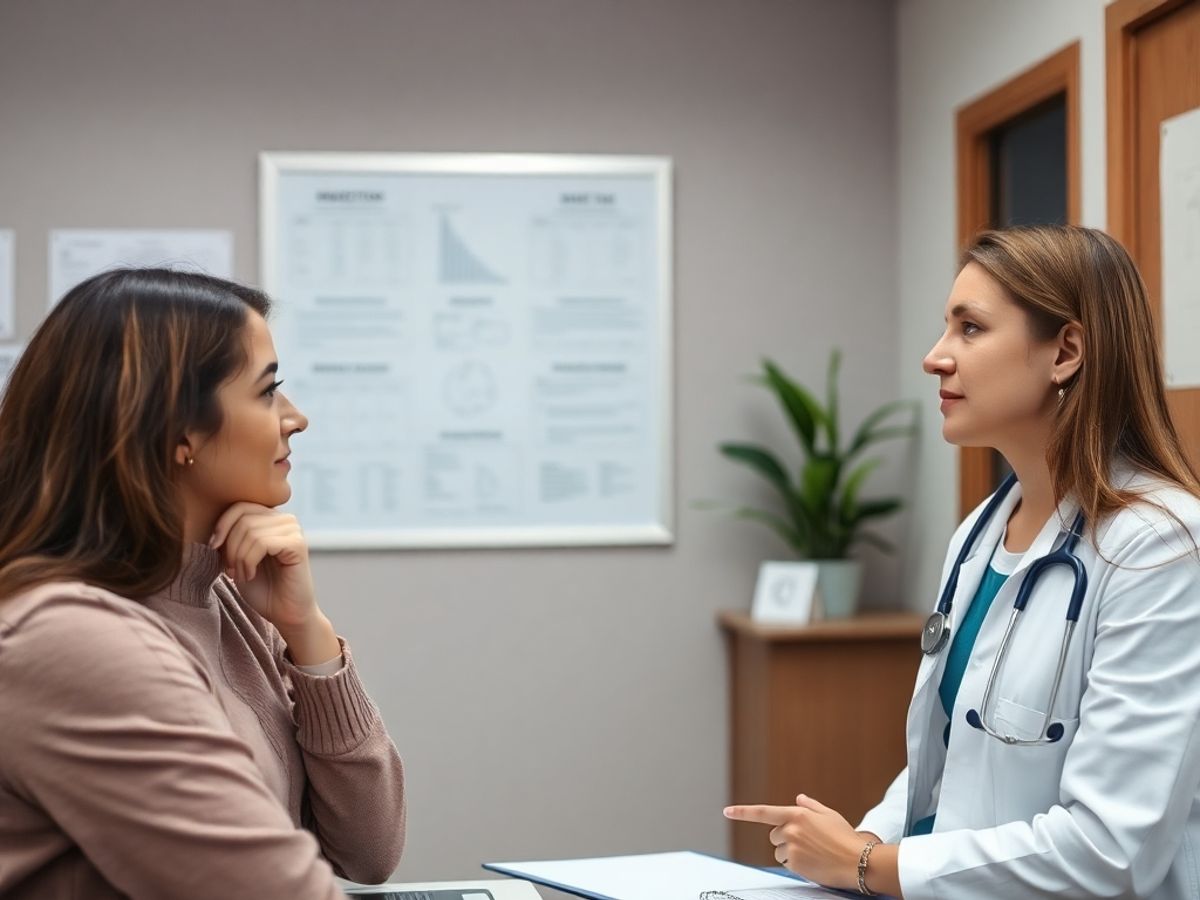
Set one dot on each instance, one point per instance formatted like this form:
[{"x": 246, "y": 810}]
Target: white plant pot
[{"x": 839, "y": 582}]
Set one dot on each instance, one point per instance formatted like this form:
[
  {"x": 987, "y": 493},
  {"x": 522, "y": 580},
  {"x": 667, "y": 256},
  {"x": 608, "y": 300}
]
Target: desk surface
[{"x": 868, "y": 626}]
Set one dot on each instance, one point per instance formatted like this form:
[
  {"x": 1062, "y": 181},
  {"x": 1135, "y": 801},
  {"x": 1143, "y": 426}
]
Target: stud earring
[{"x": 190, "y": 461}]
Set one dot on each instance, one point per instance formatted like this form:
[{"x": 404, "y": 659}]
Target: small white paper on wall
[
  {"x": 78, "y": 254},
  {"x": 1179, "y": 175}
]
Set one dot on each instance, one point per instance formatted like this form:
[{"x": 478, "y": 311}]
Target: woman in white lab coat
[{"x": 1049, "y": 355}]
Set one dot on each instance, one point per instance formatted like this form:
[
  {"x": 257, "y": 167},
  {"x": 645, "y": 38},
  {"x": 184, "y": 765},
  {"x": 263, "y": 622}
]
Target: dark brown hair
[
  {"x": 123, "y": 366},
  {"x": 1115, "y": 406}
]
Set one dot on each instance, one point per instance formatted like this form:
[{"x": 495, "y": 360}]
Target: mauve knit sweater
[{"x": 169, "y": 749}]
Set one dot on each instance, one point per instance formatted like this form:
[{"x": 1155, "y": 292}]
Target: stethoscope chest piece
[{"x": 935, "y": 633}]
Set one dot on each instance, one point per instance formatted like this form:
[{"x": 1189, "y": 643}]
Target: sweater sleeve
[
  {"x": 356, "y": 804},
  {"x": 111, "y": 731}
]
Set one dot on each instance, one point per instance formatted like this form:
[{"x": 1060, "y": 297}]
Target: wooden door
[{"x": 1153, "y": 74}]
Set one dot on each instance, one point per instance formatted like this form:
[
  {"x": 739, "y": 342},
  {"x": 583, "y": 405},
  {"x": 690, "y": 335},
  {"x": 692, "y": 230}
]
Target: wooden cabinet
[{"x": 818, "y": 709}]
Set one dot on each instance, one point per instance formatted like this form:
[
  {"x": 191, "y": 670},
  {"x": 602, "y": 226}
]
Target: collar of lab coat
[
  {"x": 1121, "y": 475},
  {"x": 1054, "y": 529}
]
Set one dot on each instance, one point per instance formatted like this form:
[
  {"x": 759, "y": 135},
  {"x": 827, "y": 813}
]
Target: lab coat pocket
[
  {"x": 1026, "y": 779},
  {"x": 1020, "y": 721}
]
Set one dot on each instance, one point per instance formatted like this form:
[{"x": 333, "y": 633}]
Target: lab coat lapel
[
  {"x": 969, "y": 577},
  {"x": 922, "y": 774}
]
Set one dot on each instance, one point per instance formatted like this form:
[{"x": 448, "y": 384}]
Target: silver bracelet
[{"x": 862, "y": 869}]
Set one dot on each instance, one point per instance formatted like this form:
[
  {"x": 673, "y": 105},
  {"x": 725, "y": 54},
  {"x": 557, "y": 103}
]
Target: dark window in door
[{"x": 1029, "y": 167}]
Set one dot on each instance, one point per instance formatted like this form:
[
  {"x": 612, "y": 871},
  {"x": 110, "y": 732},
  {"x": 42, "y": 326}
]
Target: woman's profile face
[
  {"x": 246, "y": 460},
  {"x": 995, "y": 378}
]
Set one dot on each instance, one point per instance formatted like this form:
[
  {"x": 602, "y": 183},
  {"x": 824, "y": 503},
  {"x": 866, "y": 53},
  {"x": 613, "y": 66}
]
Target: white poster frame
[{"x": 275, "y": 166}]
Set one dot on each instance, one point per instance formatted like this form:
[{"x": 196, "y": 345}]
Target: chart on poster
[{"x": 481, "y": 344}]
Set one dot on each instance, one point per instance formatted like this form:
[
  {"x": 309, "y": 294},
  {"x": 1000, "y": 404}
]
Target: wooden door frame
[
  {"x": 1129, "y": 26},
  {"x": 1122, "y": 19},
  {"x": 974, "y": 123}
]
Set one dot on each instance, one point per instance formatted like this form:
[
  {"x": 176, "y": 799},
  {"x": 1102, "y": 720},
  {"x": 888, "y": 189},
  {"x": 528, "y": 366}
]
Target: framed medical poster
[{"x": 482, "y": 344}]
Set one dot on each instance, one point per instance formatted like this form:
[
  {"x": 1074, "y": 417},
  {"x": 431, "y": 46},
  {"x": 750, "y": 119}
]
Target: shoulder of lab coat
[{"x": 1132, "y": 772}]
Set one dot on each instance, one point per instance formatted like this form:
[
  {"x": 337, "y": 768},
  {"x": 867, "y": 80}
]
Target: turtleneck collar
[{"x": 193, "y": 585}]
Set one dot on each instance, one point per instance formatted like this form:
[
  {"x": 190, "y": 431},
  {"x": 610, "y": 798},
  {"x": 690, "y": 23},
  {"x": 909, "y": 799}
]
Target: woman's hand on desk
[
  {"x": 265, "y": 553},
  {"x": 810, "y": 839}
]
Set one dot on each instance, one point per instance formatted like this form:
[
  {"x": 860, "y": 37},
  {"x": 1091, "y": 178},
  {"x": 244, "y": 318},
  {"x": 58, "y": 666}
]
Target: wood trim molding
[
  {"x": 974, "y": 123},
  {"x": 866, "y": 626},
  {"x": 1122, "y": 19}
]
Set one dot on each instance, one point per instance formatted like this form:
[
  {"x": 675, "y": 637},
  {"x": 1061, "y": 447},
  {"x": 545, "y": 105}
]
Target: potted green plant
[{"x": 822, "y": 514}]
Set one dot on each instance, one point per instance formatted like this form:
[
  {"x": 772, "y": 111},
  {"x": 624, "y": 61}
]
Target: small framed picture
[{"x": 784, "y": 593}]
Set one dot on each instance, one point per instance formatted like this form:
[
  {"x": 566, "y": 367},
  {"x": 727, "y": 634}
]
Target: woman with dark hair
[
  {"x": 179, "y": 718},
  {"x": 1054, "y": 731}
]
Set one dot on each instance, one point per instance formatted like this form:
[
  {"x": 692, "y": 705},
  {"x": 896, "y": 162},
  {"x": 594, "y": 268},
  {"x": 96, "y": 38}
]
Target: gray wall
[{"x": 547, "y": 702}]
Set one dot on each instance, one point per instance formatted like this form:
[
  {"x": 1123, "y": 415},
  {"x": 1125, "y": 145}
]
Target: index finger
[{"x": 763, "y": 815}]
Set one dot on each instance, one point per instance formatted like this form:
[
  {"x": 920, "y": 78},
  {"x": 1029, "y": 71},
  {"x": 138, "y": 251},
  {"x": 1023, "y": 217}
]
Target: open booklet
[{"x": 663, "y": 876}]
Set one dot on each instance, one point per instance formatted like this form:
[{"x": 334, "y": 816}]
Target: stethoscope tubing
[{"x": 946, "y": 601}]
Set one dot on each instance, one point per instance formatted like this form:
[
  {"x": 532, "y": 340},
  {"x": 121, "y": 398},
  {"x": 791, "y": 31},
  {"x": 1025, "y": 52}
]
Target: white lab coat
[{"x": 1113, "y": 808}]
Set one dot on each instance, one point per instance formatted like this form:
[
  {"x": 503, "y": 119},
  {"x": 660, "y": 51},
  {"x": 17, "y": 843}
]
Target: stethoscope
[{"x": 936, "y": 633}]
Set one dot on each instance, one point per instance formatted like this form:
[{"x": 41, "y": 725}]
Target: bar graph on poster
[{"x": 481, "y": 343}]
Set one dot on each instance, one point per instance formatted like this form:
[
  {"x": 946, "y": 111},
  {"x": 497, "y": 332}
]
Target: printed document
[{"x": 660, "y": 876}]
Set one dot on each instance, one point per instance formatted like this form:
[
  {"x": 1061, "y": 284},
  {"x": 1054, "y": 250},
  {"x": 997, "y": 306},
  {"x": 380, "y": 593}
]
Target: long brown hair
[
  {"x": 1115, "y": 406},
  {"x": 124, "y": 365}
]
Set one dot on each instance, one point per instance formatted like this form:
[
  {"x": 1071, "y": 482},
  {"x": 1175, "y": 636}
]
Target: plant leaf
[
  {"x": 831, "y": 399},
  {"x": 789, "y": 534},
  {"x": 802, "y": 409},
  {"x": 854, "y": 482},
  {"x": 873, "y": 509},
  {"x": 869, "y": 537},
  {"x": 759, "y": 459},
  {"x": 765, "y": 463},
  {"x": 866, "y": 433},
  {"x": 886, "y": 434},
  {"x": 818, "y": 479}
]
